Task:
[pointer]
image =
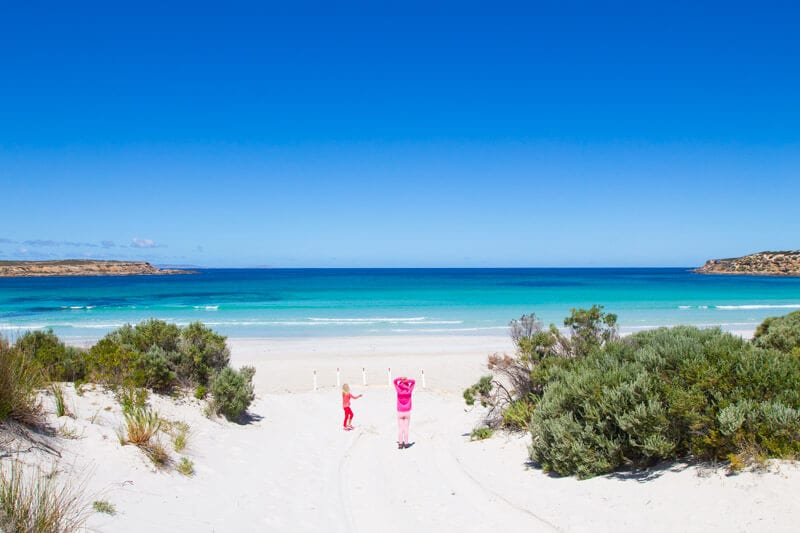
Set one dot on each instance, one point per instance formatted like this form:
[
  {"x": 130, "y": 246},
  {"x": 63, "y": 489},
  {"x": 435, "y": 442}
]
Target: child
[
  {"x": 404, "y": 388},
  {"x": 348, "y": 413}
]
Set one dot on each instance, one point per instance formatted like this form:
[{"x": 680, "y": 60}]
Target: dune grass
[
  {"x": 37, "y": 502},
  {"x": 20, "y": 377},
  {"x": 141, "y": 424}
]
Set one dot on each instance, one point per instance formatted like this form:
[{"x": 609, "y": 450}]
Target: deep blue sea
[{"x": 346, "y": 302}]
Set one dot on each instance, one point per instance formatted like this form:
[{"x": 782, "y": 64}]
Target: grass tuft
[
  {"x": 156, "y": 452},
  {"x": 481, "y": 433},
  {"x": 179, "y": 433},
  {"x": 20, "y": 377},
  {"x": 37, "y": 502},
  {"x": 105, "y": 507},
  {"x": 186, "y": 467},
  {"x": 140, "y": 426},
  {"x": 58, "y": 394}
]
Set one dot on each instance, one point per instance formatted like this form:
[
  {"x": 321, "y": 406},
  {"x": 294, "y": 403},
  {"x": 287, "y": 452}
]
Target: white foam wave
[
  {"x": 207, "y": 307},
  {"x": 17, "y": 327},
  {"x": 327, "y": 322},
  {"x": 371, "y": 320},
  {"x": 758, "y": 306},
  {"x": 447, "y": 330}
]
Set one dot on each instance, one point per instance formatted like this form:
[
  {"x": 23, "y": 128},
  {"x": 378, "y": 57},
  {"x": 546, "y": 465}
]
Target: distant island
[
  {"x": 759, "y": 264},
  {"x": 82, "y": 267}
]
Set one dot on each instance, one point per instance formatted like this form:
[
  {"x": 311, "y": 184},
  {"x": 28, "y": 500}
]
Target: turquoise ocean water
[{"x": 345, "y": 302}]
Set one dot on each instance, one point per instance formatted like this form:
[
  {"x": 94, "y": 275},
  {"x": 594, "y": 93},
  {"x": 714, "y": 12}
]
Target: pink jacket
[{"x": 404, "y": 390}]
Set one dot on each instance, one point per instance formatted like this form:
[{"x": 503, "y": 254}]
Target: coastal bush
[
  {"x": 158, "y": 355},
  {"x": 663, "y": 394},
  {"x": 113, "y": 364},
  {"x": 59, "y": 361},
  {"x": 206, "y": 350},
  {"x": 20, "y": 377},
  {"x": 232, "y": 392},
  {"x": 781, "y": 333},
  {"x": 590, "y": 329},
  {"x": 518, "y": 381},
  {"x": 156, "y": 370}
]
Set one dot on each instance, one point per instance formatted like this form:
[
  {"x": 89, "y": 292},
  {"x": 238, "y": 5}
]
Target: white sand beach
[{"x": 293, "y": 468}]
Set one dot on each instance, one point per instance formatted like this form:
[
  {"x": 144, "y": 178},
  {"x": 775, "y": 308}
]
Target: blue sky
[{"x": 561, "y": 134}]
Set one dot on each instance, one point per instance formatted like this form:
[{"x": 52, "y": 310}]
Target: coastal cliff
[
  {"x": 75, "y": 267},
  {"x": 759, "y": 264}
]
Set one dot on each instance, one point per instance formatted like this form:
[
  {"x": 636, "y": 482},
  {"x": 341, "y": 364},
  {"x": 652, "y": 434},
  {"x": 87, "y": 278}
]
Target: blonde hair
[{"x": 345, "y": 388}]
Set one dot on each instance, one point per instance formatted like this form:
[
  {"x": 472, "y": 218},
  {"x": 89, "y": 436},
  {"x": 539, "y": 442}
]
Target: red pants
[{"x": 348, "y": 416}]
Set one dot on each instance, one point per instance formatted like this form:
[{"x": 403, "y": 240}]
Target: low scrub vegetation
[
  {"x": 518, "y": 381},
  {"x": 232, "y": 392},
  {"x": 153, "y": 355},
  {"x": 597, "y": 403}
]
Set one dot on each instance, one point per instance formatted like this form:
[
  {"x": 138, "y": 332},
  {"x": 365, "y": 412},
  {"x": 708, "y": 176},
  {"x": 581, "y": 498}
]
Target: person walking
[
  {"x": 348, "y": 413},
  {"x": 404, "y": 388}
]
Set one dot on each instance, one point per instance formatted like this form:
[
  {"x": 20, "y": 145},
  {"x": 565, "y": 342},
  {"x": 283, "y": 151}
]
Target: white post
[
  {"x": 389, "y": 373},
  {"x": 315, "y": 380},
  {"x": 364, "y": 376},
  {"x": 423, "y": 379},
  {"x": 337, "y": 379}
]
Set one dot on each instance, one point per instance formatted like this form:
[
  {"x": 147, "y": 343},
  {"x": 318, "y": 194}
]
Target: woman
[{"x": 404, "y": 388}]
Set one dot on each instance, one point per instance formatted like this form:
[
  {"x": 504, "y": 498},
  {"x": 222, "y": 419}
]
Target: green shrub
[
  {"x": 144, "y": 335},
  {"x": 206, "y": 350},
  {"x": 233, "y": 391},
  {"x": 114, "y": 364},
  {"x": 200, "y": 392},
  {"x": 781, "y": 333},
  {"x": 59, "y": 362},
  {"x": 590, "y": 329},
  {"x": 517, "y": 414},
  {"x": 518, "y": 381},
  {"x": 156, "y": 371},
  {"x": 20, "y": 377},
  {"x": 158, "y": 355},
  {"x": 664, "y": 394}
]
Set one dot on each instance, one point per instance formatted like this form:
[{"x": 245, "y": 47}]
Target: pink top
[
  {"x": 404, "y": 390},
  {"x": 346, "y": 399}
]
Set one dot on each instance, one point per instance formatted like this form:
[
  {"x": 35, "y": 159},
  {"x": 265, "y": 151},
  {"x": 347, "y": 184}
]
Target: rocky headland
[
  {"x": 759, "y": 264},
  {"x": 77, "y": 267}
]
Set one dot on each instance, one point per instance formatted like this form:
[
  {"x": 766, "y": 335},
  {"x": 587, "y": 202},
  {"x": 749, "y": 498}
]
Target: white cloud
[{"x": 143, "y": 243}]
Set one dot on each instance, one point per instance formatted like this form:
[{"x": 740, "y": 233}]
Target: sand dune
[{"x": 293, "y": 468}]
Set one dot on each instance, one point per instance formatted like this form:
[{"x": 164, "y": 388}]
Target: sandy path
[{"x": 293, "y": 468}]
